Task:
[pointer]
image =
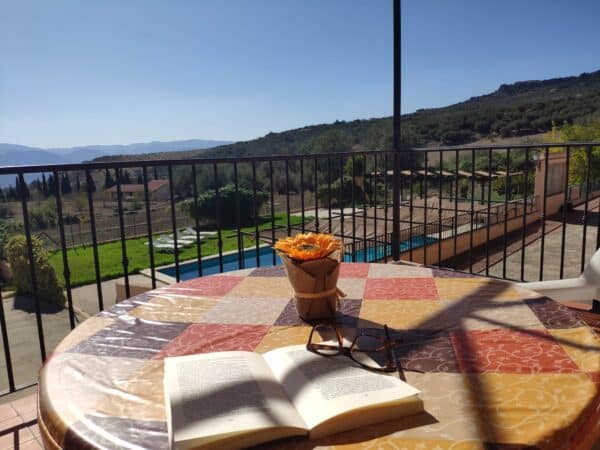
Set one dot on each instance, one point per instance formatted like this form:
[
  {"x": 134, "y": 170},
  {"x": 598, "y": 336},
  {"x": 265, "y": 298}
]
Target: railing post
[{"x": 397, "y": 112}]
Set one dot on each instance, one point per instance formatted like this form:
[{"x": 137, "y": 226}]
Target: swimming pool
[
  {"x": 380, "y": 252},
  {"x": 210, "y": 266}
]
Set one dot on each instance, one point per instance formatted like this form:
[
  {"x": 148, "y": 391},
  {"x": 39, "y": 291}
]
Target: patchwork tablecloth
[{"x": 510, "y": 369}]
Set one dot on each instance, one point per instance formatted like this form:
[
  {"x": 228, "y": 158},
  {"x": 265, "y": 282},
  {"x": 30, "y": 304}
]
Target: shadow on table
[
  {"x": 454, "y": 317},
  {"x": 355, "y": 436}
]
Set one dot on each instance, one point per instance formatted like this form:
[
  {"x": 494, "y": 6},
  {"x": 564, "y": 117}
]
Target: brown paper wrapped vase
[{"x": 315, "y": 286}]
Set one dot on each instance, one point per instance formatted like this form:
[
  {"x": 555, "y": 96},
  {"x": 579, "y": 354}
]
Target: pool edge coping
[{"x": 159, "y": 276}]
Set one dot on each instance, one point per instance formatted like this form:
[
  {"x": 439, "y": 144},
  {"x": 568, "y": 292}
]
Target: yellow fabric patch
[
  {"x": 530, "y": 409},
  {"x": 391, "y": 442},
  {"x": 282, "y": 336},
  {"x": 167, "y": 308},
  {"x": 582, "y": 345},
  {"x": 262, "y": 287},
  {"x": 402, "y": 314},
  {"x": 144, "y": 398},
  {"x": 465, "y": 288}
]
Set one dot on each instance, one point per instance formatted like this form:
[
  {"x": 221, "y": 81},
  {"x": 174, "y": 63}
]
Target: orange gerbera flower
[{"x": 309, "y": 246}]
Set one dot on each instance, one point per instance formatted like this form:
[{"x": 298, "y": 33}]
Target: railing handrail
[{"x": 136, "y": 163}]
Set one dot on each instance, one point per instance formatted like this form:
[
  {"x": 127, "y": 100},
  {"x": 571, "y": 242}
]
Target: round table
[{"x": 509, "y": 368}]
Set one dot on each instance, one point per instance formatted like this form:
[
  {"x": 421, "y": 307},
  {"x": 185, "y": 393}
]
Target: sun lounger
[
  {"x": 162, "y": 247},
  {"x": 189, "y": 231}
]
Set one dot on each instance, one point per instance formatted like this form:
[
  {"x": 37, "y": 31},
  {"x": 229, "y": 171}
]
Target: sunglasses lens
[
  {"x": 370, "y": 352},
  {"x": 324, "y": 340}
]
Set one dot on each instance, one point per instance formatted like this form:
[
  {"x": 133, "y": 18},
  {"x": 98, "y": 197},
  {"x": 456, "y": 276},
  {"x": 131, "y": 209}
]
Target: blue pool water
[
  {"x": 380, "y": 252},
  {"x": 210, "y": 266}
]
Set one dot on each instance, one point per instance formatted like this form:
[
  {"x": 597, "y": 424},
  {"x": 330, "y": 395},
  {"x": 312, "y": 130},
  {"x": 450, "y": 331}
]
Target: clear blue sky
[{"x": 115, "y": 72}]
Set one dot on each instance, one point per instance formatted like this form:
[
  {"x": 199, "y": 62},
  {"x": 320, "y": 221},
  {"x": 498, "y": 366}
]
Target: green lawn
[{"x": 81, "y": 259}]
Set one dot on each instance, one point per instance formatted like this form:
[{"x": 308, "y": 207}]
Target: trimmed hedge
[{"x": 207, "y": 206}]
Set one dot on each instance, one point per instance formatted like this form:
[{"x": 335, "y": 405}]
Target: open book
[{"x": 239, "y": 399}]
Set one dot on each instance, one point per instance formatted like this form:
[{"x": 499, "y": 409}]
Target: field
[{"x": 81, "y": 259}]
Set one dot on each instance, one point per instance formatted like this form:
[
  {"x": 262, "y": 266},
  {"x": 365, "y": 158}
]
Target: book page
[
  {"x": 224, "y": 393},
  {"x": 323, "y": 387}
]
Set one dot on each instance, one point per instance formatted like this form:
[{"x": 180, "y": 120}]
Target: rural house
[{"x": 157, "y": 189}]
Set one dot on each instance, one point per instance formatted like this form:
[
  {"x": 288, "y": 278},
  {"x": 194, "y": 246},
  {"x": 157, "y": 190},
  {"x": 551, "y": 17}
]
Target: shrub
[
  {"x": 48, "y": 288},
  {"x": 323, "y": 193},
  {"x": 4, "y": 211},
  {"x": 8, "y": 229},
  {"x": 72, "y": 219},
  {"x": 43, "y": 217},
  {"x": 207, "y": 206}
]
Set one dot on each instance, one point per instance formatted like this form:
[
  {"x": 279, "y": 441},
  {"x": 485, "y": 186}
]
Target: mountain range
[{"x": 13, "y": 154}]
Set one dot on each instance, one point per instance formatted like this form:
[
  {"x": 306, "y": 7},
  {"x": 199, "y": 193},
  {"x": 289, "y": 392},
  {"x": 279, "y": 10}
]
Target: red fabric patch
[
  {"x": 214, "y": 337},
  {"x": 510, "y": 351},
  {"x": 401, "y": 289},
  {"x": 595, "y": 377},
  {"x": 212, "y": 286},
  {"x": 355, "y": 270}
]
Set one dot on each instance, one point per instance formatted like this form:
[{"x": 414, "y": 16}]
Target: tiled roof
[{"x": 153, "y": 185}]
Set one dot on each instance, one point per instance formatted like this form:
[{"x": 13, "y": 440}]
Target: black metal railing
[{"x": 484, "y": 210}]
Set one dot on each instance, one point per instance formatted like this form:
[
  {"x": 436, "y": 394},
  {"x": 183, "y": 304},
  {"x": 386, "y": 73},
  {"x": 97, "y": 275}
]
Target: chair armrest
[{"x": 567, "y": 289}]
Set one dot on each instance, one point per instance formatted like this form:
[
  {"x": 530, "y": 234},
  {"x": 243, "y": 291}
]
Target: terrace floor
[
  {"x": 18, "y": 422},
  {"x": 552, "y": 248}
]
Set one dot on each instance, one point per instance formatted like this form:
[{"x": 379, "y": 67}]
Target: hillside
[
  {"x": 512, "y": 111},
  {"x": 518, "y": 109}
]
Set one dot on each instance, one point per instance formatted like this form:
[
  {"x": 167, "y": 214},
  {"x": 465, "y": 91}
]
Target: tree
[
  {"x": 332, "y": 141},
  {"x": 125, "y": 178},
  {"x": 77, "y": 183},
  {"x": 108, "y": 179},
  {"x": 227, "y": 205},
  {"x": 44, "y": 186},
  {"x": 21, "y": 190},
  {"x": 36, "y": 185},
  {"x": 11, "y": 193},
  {"x": 336, "y": 200},
  {"x": 65, "y": 185},
  {"x": 90, "y": 184},
  {"x": 51, "y": 187},
  {"x": 588, "y": 131}
]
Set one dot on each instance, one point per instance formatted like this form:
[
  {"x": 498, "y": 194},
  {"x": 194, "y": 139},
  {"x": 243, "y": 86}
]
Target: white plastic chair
[{"x": 583, "y": 289}]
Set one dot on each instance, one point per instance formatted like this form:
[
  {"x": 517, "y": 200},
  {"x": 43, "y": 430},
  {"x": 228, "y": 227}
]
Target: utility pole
[{"x": 397, "y": 112}]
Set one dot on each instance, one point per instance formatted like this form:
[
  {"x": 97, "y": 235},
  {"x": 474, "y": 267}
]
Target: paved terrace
[
  {"x": 552, "y": 247},
  {"x": 378, "y": 228}
]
